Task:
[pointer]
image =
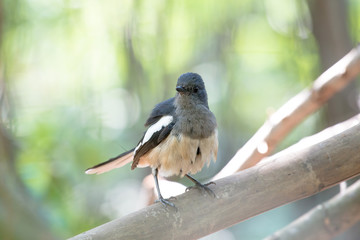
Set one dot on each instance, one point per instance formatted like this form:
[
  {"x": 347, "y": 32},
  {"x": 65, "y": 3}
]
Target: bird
[{"x": 181, "y": 137}]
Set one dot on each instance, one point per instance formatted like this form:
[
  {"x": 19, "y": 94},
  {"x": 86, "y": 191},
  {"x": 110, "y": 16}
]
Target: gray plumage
[
  {"x": 194, "y": 118},
  {"x": 164, "y": 108},
  {"x": 190, "y": 111}
]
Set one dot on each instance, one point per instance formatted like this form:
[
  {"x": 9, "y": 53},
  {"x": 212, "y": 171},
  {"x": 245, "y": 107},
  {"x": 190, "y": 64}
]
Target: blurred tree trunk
[
  {"x": 330, "y": 26},
  {"x": 19, "y": 214},
  {"x": 20, "y": 217}
]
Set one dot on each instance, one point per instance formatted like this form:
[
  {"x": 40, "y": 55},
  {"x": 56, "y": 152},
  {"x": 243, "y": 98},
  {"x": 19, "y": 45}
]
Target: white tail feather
[{"x": 111, "y": 164}]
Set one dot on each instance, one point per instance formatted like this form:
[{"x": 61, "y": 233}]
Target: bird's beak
[{"x": 180, "y": 89}]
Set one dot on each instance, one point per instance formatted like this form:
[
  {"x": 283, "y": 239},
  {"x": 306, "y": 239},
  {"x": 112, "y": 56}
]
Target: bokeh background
[{"x": 78, "y": 78}]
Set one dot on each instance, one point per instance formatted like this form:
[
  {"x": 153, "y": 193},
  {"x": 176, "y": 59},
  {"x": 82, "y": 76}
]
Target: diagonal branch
[
  {"x": 326, "y": 220},
  {"x": 297, "y": 172},
  {"x": 293, "y": 113}
]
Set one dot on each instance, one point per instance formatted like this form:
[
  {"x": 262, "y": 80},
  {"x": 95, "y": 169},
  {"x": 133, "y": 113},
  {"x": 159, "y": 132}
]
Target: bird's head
[{"x": 191, "y": 87}]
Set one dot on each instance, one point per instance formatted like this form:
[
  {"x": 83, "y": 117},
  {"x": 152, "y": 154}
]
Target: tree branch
[
  {"x": 293, "y": 113},
  {"x": 327, "y": 220},
  {"x": 292, "y": 174}
]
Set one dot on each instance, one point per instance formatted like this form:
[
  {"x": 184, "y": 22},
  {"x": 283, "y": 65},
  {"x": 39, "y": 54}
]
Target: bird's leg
[
  {"x": 203, "y": 187},
  {"x": 200, "y": 186},
  {"x": 160, "y": 197}
]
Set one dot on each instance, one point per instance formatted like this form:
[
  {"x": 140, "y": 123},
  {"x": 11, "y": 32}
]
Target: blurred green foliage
[{"x": 83, "y": 75}]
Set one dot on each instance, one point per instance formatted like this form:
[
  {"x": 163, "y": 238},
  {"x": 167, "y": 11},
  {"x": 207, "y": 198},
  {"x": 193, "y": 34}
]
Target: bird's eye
[{"x": 195, "y": 89}]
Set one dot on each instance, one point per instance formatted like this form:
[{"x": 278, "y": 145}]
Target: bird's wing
[
  {"x": 112, "y": 163},
  {"x": 160, "y": 122},
  {"x": 162, "y": 109},
  {"x": 155, "y": 134}
]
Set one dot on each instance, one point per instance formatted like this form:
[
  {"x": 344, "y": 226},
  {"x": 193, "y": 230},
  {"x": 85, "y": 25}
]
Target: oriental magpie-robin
[{"x": 181, "y": 137}]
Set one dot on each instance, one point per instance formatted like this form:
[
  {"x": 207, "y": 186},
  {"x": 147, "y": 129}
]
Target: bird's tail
[{"x": 112, "y": 163}]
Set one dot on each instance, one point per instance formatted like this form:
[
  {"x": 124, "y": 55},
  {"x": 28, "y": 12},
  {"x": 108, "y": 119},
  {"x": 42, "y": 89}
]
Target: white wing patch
[{"x": 163, "y": 122}]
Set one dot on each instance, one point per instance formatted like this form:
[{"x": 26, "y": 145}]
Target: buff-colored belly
[{"x": 181, "y": 155}]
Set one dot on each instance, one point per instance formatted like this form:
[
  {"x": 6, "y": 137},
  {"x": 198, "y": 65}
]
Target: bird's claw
[
  {"x": 166, "y": 202},
  {"x": 203, "y": 187}
]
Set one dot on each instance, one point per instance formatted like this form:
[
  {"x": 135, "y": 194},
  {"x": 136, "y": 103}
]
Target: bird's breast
[
  {"x": 196, "y": 124},
  {"x": 180, "y": 154}
]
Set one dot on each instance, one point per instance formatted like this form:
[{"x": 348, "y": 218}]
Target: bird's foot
[
  {"x": 166, "y": 202},
  {"x": 203, "y": 187}
]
